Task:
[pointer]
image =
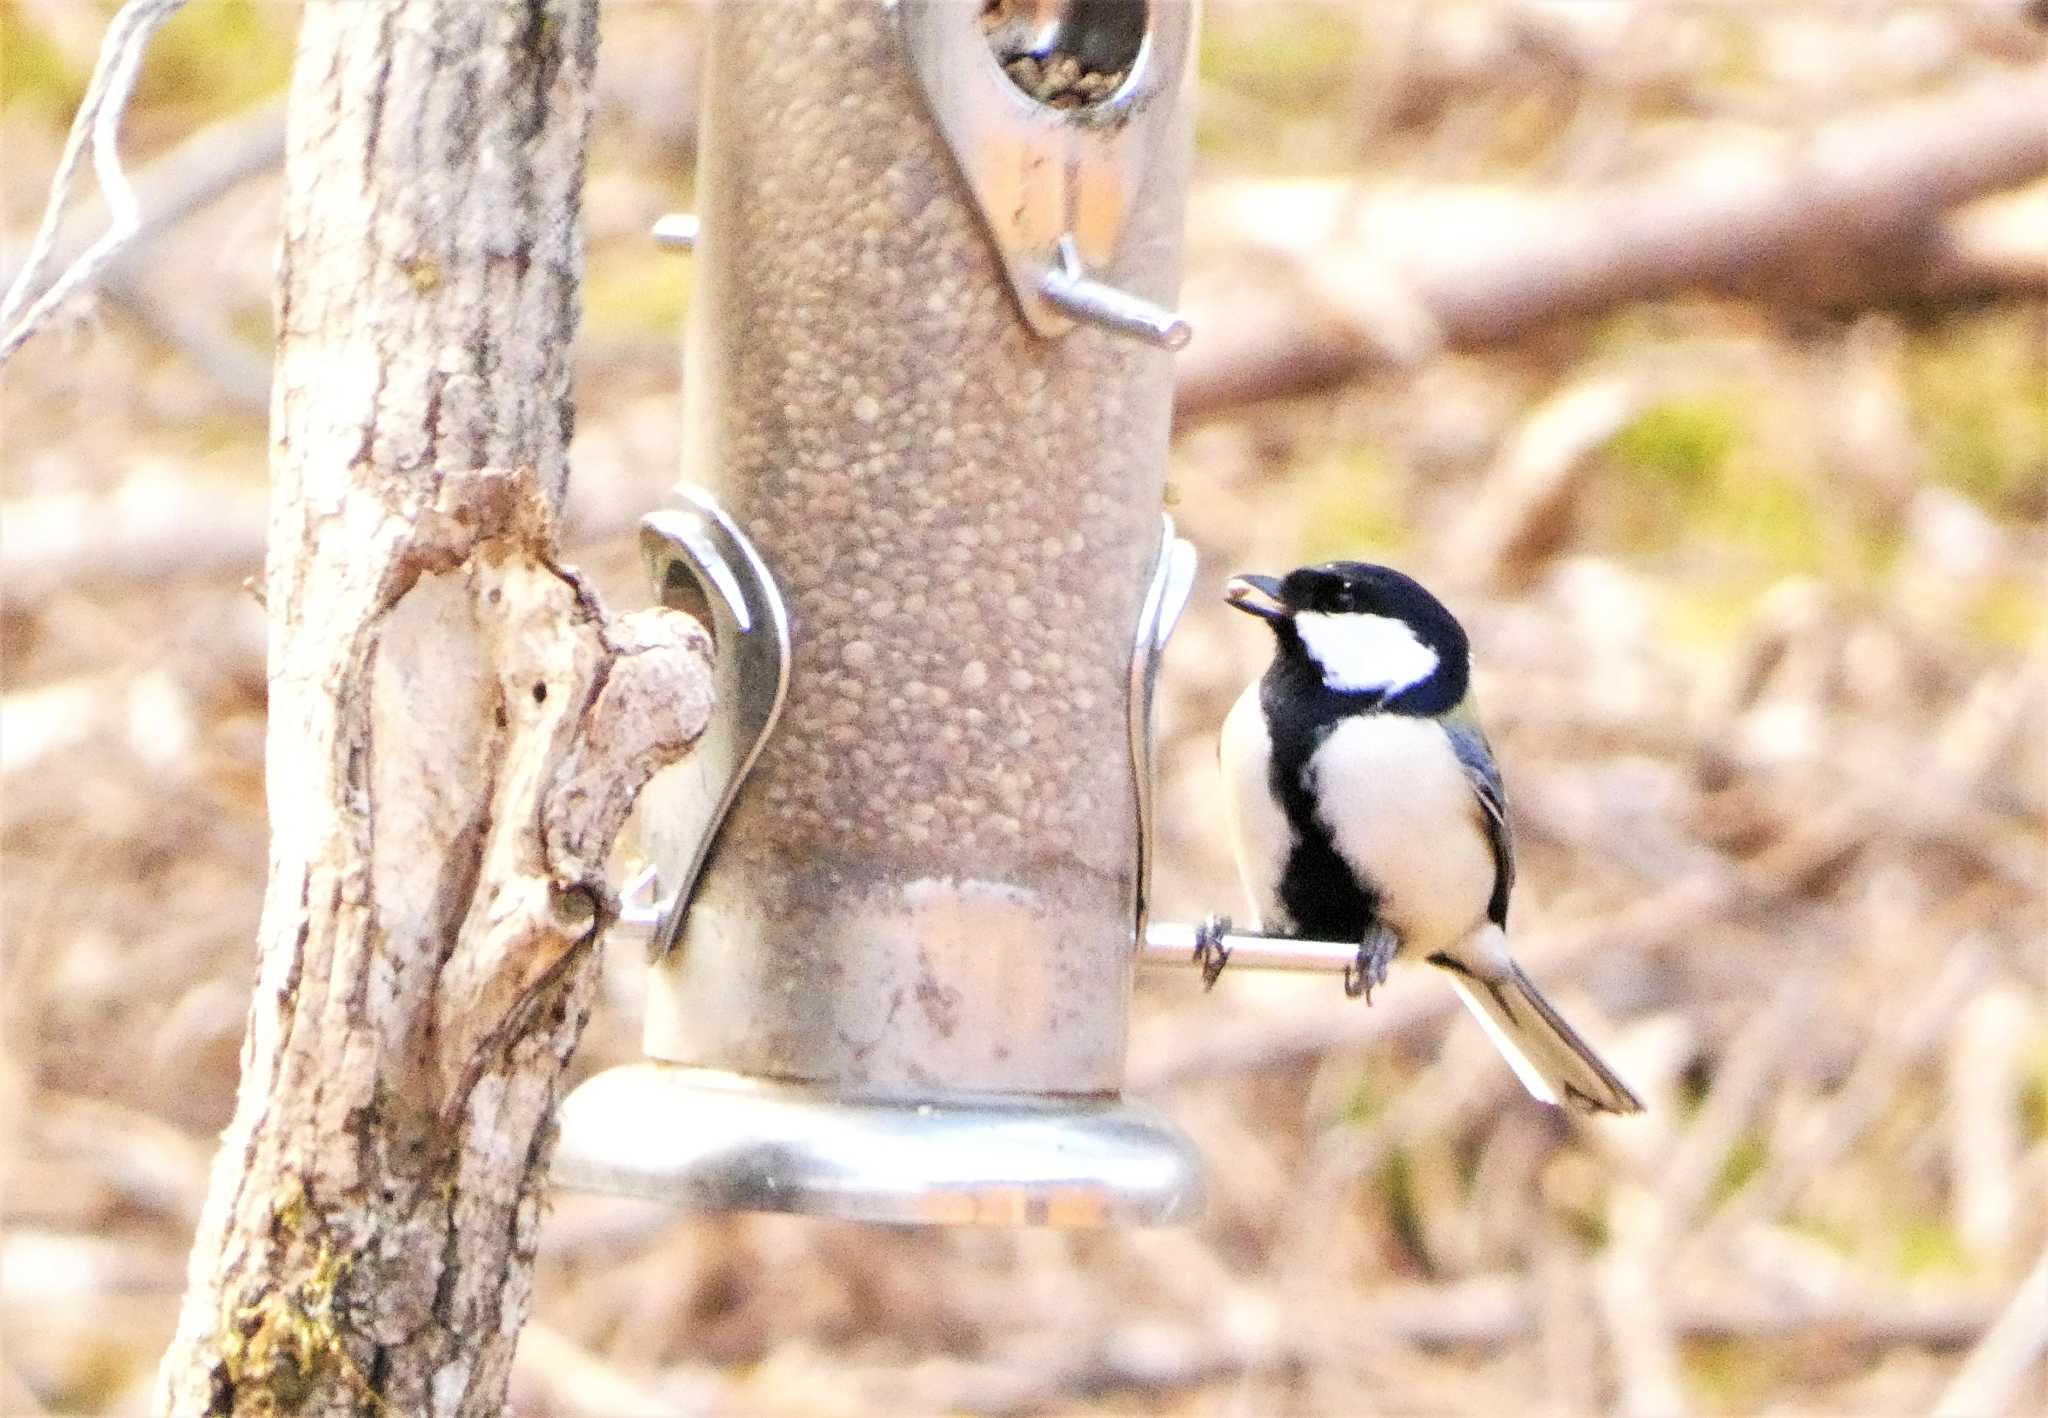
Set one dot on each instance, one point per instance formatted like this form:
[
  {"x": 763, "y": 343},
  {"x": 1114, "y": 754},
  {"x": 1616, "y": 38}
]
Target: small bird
[{"x": 1364, "y": 805}]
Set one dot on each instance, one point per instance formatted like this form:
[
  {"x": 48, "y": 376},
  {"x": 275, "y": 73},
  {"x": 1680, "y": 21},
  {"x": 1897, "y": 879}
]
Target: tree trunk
[{"x": 456, "y": 730}]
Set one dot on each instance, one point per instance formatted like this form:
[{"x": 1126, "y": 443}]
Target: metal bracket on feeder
[
  {"x": 1058, "y": 112},
  {"x": 700, "y": 561},
  {"x": 1172, "y": 579},
  {"x": 1214, "y": 942}
]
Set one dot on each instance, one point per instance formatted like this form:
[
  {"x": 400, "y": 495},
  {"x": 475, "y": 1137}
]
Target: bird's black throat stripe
[{"x": 1322, "y": 896}]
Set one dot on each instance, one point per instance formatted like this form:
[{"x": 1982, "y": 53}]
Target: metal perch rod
[{"x": 1175, "y": 943}]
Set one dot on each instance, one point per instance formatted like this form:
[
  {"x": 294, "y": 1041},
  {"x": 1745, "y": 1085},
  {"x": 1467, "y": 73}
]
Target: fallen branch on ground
[{"x": 1856, "y": 217}]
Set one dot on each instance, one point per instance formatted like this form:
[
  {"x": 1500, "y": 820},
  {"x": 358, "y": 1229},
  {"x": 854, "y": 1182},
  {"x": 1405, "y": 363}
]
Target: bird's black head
[{"x": 1362, "y": 632}]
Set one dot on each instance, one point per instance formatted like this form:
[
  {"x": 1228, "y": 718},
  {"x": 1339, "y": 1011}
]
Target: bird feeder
[{"x": 928, "y": 395}]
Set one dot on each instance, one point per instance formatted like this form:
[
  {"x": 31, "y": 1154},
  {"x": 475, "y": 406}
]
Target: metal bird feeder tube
[{"x": 928, "y": 383}]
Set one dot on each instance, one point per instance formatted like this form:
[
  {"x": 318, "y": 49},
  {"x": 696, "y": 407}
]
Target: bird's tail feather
[{"x": 1546, "y": 1053}]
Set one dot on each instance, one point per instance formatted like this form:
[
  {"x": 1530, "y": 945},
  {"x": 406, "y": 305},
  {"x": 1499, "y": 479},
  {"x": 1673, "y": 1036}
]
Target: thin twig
[
  {"x": 98, "y": 126},
  {"x": 1630, "y": 1290},
  {"x": 1862, "y": 1097},
  {"x": 1986, "y": 1076},
  {"x": 1524, "y": 512},
  {"x": 1992, "y": 1377},
  {"x": 241, "y": 374},
  {"x": 199, "y": 171},
  {"x": 1566, "y": 1327},
  {"x": 1748, "y": 1069},
  {"x": 188, "y": 179}
]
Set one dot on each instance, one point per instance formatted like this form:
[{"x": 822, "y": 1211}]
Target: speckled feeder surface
[{"x": 929, "y": 876}]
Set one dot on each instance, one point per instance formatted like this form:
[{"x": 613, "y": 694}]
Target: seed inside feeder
[
  {"x": 964, "y": 561},
  {"x": 1082, "y": 59}
]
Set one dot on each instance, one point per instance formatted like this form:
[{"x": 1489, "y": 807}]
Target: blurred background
[{"x": 1738, "y": 479}]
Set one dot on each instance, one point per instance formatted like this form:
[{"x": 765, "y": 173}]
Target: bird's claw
[
  {"x": 1375, "y": 953},
  {"x": 1210, "y": 952}
]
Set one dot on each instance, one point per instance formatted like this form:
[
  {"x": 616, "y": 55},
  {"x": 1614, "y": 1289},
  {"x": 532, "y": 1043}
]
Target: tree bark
[{"x": 456, "y": 729}]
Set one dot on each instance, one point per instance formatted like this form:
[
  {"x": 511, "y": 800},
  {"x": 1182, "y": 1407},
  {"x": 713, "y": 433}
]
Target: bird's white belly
[
  {"x": 1403, "y": 816},
  {"x": 1260, "y": 836}
]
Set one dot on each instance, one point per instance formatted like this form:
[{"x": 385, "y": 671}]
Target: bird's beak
[{"x": 1257, "y": 595}]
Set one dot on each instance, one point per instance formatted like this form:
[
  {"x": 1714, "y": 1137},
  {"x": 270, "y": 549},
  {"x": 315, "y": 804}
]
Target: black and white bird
[{"x": 1365, "y": 805}]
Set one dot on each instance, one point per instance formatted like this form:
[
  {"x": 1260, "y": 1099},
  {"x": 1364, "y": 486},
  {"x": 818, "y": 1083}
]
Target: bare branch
[
  {"x": 200, "y": 170},
  {"x": 98, "y": 126},
  {"x": 190, "y": 177},
  {"x": 238, "y": 371},
  {"x": 1525, "y": 511}
]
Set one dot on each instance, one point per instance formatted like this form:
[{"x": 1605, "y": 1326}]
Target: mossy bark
[{"x": 456, "y": 731}]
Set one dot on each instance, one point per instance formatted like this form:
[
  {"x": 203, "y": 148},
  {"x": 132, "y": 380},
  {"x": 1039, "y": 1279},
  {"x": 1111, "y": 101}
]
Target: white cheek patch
[{"x": 1364, "y": 653}]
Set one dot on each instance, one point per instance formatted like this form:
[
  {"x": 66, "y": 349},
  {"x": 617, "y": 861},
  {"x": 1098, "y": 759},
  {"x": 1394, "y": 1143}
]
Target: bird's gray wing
[{"x": 1468, "y": 741}]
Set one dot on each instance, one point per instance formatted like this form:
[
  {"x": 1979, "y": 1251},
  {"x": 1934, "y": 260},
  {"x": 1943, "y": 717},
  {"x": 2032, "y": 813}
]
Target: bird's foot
[
  {"x": 1375, "y": 953},
  {"x": 1210, "y": 952}
]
